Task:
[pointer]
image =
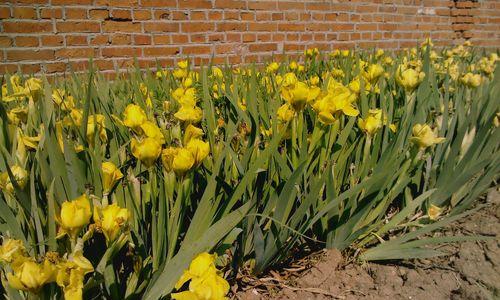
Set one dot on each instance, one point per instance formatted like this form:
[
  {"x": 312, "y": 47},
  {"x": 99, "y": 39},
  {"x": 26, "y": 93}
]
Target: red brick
[
  {"x": 98, "y": 14},
  {"x": 120, "y": 39},
  {"x": 75, "y": 13},
  {"x": 122, "y": 14},
  {"x": 51, "y": 13},
  {"x": 101, "y": 39},
  {"x": 142, "y": 39},
  {"x": 117, "y": 3},
  {"x": 5, "y": 41},
  {"x": 114, "y": 26},
  {"x": 55, "y": 67},
  {"x": 20, "y": 55},
  {"x": 160, "y": 51},
  {"x": 142, "y": 15},
  {"x": 121, "y": 52},
  {"x": 71, "y": 2},
  {"x": 188, "y": 50},
  {"x": 26, "y": 41},
  {"x": 232, "y": 26},
  {"x": 234, "y": 4},
  {"x": 26, "y": 27},
  {"x": 4, "y": 12},
  {"x": 52, "y": 40},
  {"x": 30, "y": 68},
  {"x": 74, "y": 53},
  {"x": 78, "y": 26},
  {"x": 198, "y": 4},
  {"x": 158, "y": 3},
  {"x": 197, "y": 27},
  {"x": 24, "y": 13},
  {"x": 161, "y": 27}
]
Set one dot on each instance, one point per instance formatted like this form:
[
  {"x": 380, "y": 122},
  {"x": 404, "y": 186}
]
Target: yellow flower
[
  {"x": 110, "y": 176},
  {"x": 183, "y": 64},
  {"x": 74, "y": 119},
  {"x": 70, "y": 275},
  {"x": 434, "y": 212},
  {"x": 189, "y": 114},
  {"x": 180, "y": 73},
  {"x": 18, "y": 115},
  {"x": 199, "y": 149},
  {"x": 29, "y": 275},
  {"x": 61, "y": 99},
  {"x": 13, "y": 92},
  {"x": 167, "y": 157},
  {"x": 285, "y": 113},
  {"x": 111, "y": 220},
  {"x": 424, "y": 137},
  {"x": 409, "y": 79},
  {"x": 345, "y": 53},
  {"x": 211, "y": 286},
  {"x": 182, "y": 161},
  {"x": 33, "y": 87},
  {"x": 205, "y": 283},
  {"x": 471, "y": 80},
  {"x": 20, "y": 175},
  {"x": 191, "y": 132},
  {"x": 151, "y": 130},
  {"x": 11, "y": 249},
  {"x": 311, "y": 52},
  {"x": 201, "y": 264},
  {"x": 95, "y": 125},
  {"x": 335, "y": 53},
  {"x": 217, "y": 72},
  {"x": 373, "y": 72},
  {"x": 272, "y": 67},
  {"x": 297, "y": 94},
  {"x": 134, "y": 116},
  {"x": 370, "y": 124},
  {"x": 74, "y": 216},
  {"x": 147, "y": 150}
]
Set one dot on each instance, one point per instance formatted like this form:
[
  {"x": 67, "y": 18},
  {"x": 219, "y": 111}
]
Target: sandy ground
[{"x": 470, "y": 271}]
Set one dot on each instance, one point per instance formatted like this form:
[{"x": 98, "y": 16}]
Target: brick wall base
[{"x": 55, "y": 36}]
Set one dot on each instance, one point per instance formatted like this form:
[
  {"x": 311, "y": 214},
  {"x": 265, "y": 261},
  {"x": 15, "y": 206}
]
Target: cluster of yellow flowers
[
  {"x": 30, "y": 274},
  {"x": 157, "y": 143},
  {"x": 205, "y": 281}
]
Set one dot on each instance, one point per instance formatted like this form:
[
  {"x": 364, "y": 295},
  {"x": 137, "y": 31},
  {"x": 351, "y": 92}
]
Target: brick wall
[{"x": 55, "y": 36}]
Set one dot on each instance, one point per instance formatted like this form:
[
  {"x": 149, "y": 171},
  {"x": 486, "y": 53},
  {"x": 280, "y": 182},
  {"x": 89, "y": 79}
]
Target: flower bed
[{"x": 122, "y": 189}]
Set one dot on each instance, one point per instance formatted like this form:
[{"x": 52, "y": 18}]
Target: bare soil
[{"x": 471, "y": 270}]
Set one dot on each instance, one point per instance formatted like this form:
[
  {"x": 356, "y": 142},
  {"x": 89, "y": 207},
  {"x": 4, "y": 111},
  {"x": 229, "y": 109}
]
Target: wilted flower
[
  {"x": 70, "y": 275},
  {"x": 20, "y": 175},
  {"x": 434, "y": 212},
  {"x": 11, "y": 249}
]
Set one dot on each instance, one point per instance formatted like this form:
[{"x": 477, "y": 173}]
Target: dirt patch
[{"x": 470, "y": 271}]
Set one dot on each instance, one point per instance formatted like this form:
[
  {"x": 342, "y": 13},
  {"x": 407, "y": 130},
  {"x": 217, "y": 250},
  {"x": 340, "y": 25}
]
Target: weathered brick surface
[{"x": 55, "y": 36}]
